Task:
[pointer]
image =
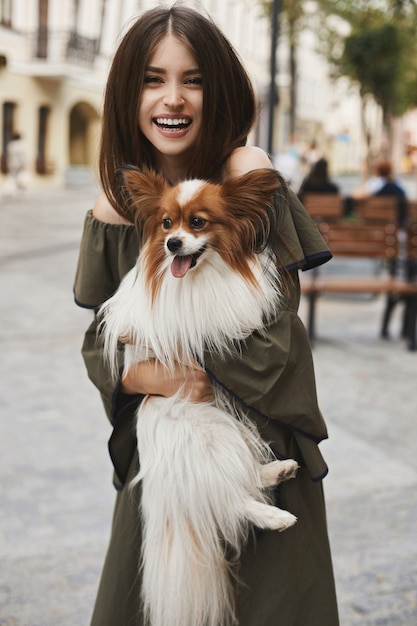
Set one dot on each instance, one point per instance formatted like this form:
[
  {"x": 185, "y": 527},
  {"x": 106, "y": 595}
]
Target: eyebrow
[{"x": 159, "y": 70}]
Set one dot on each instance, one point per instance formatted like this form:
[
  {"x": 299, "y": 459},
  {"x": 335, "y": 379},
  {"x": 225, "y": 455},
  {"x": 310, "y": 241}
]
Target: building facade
[{"x": 54, "y": 59}]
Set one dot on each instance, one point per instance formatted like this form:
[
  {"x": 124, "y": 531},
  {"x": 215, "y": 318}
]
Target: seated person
[
  {"x": 388, "y": 186},
  {"x": 391, "y": 187},
  {"x": 382, "y": 184},
  {"x": 318, "y": 180}
]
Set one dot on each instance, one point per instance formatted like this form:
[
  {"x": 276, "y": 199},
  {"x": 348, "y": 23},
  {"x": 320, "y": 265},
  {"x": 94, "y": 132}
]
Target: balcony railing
[{"x": 62, "y": 47}]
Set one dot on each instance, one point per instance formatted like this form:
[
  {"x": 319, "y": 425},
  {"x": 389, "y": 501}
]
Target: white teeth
[{"x": 171, "y": 122}]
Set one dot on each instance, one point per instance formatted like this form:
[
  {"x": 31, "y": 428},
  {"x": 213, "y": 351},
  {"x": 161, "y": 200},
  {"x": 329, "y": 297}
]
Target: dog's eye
[
  {"x": 166, "y": 223},
  {"x": 197, "y": 222}
]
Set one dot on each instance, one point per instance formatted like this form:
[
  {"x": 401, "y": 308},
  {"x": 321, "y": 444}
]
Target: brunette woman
[{"x": 178, "y": 100}]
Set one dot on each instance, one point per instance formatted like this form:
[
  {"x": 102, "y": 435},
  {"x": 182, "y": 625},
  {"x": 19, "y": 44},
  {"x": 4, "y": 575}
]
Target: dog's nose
[{"x": 174, "y": 244}]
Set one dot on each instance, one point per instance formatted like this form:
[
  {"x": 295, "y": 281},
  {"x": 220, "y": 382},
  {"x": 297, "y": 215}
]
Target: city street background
[{"x": 56, "y": 489}]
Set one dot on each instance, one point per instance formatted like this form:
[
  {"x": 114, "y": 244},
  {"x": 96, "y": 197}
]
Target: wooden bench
[
  {"x": 323, "y": 206},
  {"x": 382, "y": 210},
  {"x": 412, "y": 211},
  {"x": 364, "y": 241}
]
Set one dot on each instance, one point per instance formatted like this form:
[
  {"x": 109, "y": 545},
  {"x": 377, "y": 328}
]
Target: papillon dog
[{"x": 205, "y": 279}]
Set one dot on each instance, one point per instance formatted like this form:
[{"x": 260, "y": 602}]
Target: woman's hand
[{"x": 151, "y": 377}]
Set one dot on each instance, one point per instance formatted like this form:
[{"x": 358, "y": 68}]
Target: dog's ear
[
  {"x": 142, "y": 190},
  {"x": 252, "y": 199}
]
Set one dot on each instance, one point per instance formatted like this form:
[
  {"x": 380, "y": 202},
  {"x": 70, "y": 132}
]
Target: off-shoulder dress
[{"x": 286, "y": 578}]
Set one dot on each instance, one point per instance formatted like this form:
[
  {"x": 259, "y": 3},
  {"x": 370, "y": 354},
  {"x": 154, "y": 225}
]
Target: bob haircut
[{"x": 229, "y": 107}]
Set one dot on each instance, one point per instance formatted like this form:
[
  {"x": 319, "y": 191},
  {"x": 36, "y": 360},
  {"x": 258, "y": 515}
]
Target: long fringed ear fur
[
  {"x": 143, "y": 190},
  {"x": 252, "y": 198}
]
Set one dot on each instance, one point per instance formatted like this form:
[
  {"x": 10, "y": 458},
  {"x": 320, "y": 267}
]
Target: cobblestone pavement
[{"x": 55, "y": 490}]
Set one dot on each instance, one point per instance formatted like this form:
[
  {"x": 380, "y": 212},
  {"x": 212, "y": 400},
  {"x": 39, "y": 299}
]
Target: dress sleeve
[
  {"x": 301, "y": 245},
  {"x": 272, "y": 373},
  {"x": 271, "y": 377},
  {"x": 107, "y": 253}
]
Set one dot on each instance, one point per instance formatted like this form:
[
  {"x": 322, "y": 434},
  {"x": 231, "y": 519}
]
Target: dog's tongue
[{"x": 180, "y": 265}]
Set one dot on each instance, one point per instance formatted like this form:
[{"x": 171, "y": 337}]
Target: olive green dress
[{"x": 286, "y": 579}]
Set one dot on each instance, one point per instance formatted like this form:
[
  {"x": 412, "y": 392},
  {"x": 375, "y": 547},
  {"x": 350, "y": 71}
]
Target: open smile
[{"x": 172, "y": 124}]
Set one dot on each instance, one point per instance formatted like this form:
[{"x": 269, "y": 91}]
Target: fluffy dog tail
[
  {"x": 185, "y": 502},
  {"x": 185, "y": 583}
]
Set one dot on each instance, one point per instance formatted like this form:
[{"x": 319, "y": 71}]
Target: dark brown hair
[
  {"x": 319, "y": 173},
  {"x": 384, "y": 169},
  {"x": 228, "y": 100}
]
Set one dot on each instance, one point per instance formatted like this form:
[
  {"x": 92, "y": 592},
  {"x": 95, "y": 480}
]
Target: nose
[
  {"x": 173, "y": 96},
  {"x": 174, "y": 244}
]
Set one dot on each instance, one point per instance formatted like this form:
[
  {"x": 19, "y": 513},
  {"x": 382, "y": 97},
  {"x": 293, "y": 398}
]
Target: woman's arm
[
  {"x": 151, "y": 377},
  {"x": 104, "y": 212}
]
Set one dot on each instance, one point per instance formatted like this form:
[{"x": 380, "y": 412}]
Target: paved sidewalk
[{"x": 55, "y": 490}]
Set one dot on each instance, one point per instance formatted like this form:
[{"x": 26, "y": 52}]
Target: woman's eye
[
  {"x": 149, "y": 80},
  {"x": 197, "y": 222},
  {"x": 166, "y": 223},
  {"x": 194, "y": 81}
]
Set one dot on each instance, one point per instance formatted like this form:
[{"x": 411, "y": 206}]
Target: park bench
[
  {"x": 382, "y": 210},
  {"x": 372, "y": 210},
  {"x": 323, "y": 206},
  {"x": 362, "y": 240}
]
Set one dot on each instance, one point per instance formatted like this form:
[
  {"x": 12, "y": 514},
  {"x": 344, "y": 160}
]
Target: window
[
  {"x": 41, "y": 160},
  {"x": 6, "y": 13},
  {"x": 8, "y": 127}
]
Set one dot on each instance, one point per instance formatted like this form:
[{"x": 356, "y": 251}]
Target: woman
[
  {"x": 318, "y": 180},
  {"x": 178, "y": 100}
]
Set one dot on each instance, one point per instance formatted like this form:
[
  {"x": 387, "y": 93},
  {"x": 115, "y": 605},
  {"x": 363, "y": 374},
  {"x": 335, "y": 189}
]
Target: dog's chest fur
[{"x": 209, "y": 309}]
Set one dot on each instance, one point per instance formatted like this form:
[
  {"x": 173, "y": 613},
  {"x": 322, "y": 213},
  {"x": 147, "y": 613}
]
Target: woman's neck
[{"x": 174, "y": 169}]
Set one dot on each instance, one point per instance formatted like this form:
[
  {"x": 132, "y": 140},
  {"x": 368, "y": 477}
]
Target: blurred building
[
  {"x": 52, "y": 68},
  {"x": 54, "y": 58}
]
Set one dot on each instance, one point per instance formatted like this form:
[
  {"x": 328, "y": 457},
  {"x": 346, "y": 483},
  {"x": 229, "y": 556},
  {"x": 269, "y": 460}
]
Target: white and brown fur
[{"x": 205, "y": 279}]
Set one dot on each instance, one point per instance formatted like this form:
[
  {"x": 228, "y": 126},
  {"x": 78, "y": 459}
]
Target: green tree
[
  {"x": 371, "y": 57},
  {"x": 379, "y": 54}
]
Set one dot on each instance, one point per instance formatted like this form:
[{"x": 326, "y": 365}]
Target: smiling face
[{"x": 171, "y": 107}]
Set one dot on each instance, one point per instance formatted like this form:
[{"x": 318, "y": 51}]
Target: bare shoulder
[
  {"x": 246, "y": 159},
  {"x": 104, "y": 211}
]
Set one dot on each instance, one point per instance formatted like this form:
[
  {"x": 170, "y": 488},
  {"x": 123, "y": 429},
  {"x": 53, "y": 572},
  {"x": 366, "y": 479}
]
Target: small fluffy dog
[{"x": 204, "y": 280}]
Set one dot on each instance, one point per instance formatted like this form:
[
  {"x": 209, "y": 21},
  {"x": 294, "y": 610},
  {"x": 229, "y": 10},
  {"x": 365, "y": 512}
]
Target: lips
[{"x": 172, "y": 124}]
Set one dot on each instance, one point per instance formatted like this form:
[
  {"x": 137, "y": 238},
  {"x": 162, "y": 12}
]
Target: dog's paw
[
  {"x": 279, "y": 520},
  {"x": 278, "y": 471},
  {"x": 286, "y": 520},
  {"x": 288, "y": 469},
  {"x": 268, "y": 516}
]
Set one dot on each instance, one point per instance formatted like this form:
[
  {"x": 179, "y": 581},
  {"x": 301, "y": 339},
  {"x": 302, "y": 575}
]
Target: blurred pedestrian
[
  {"x": 318, "y": 180},
  {"x": 289, "y": 164},
  {"x": 17, "y": 174},
  {"x": 388, "y": 186},
  {"x": 312, "y": 154},
  {"x": 382, "y": 183},
  {"x": 391, "y": 187}
]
